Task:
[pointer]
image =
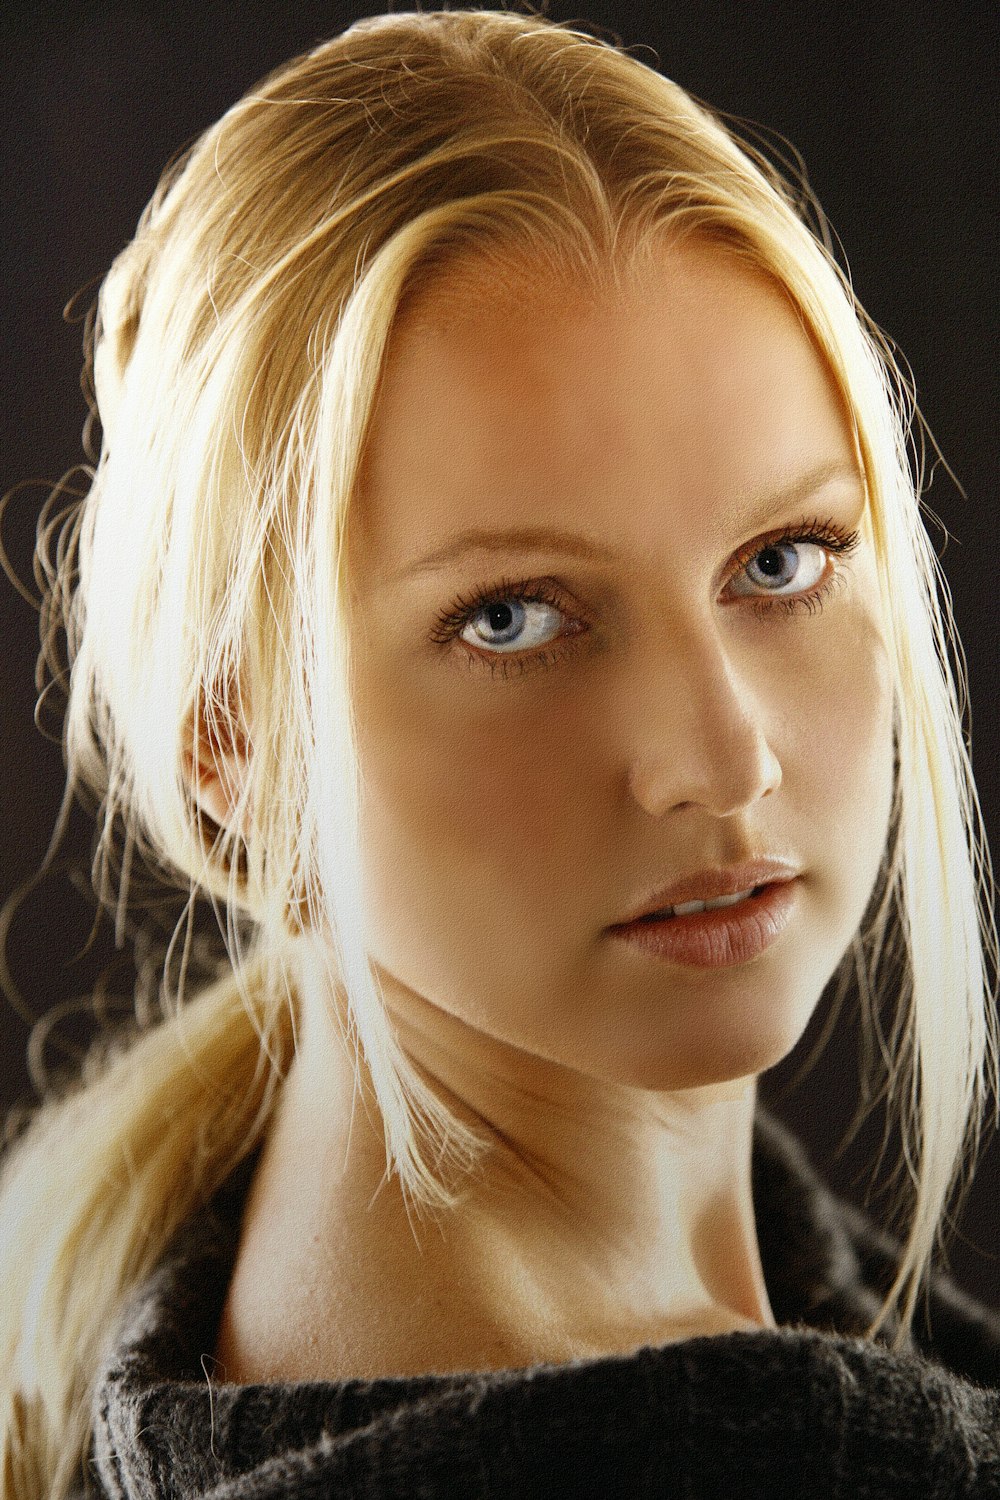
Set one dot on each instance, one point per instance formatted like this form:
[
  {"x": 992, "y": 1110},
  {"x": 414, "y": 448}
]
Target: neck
[{"x": 600, "y": 1207}]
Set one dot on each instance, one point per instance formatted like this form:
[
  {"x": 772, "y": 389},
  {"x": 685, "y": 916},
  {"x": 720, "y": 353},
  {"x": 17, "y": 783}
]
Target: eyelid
[
  {"x": 545, "y": 590},
  {"x": 829, "y": 534}
]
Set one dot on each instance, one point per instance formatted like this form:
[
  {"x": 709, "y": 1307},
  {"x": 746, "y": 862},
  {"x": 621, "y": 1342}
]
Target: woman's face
[{"x": 643, "y": 702}]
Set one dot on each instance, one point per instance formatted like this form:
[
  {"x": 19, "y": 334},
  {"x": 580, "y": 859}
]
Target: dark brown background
[{"x": 894, "y": 110}]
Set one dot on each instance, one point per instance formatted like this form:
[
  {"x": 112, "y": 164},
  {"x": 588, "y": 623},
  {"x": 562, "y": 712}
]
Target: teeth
[{"x": 684, "y": 907}]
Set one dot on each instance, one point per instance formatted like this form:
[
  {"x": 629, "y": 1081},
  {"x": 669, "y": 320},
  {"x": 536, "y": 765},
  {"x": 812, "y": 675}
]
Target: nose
[{"x": 698, "y": 732}]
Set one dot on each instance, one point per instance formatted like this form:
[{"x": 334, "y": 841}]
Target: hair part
[{"x": 203, "y": 587}]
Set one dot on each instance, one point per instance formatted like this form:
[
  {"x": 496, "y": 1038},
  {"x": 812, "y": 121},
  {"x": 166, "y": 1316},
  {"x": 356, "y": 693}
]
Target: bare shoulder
[
  {"x": 323, "y": 1291},
  {"x": 323, "y": 1326}
]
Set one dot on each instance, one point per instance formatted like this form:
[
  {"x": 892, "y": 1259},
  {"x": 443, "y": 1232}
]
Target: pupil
[
  {"x": 495, "y": 610},
  {"x": 770, "y": 561}
]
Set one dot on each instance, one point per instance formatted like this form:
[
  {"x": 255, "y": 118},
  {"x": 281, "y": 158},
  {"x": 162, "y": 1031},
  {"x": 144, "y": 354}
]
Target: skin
[{"x": 510, "y": 820}]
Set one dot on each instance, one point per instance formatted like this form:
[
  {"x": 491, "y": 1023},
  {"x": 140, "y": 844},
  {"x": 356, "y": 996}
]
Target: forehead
[{"x": 677, "y": 396}]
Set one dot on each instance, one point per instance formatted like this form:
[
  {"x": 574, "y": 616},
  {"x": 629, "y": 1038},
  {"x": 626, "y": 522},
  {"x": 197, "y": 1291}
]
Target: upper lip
[{"x": 705, "y": 885}]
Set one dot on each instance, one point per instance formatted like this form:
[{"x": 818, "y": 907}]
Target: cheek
[
  {"x": 472, "y": 818},
  {"x": 842, "y": 764},
  {"x": 478, "y": 796}
]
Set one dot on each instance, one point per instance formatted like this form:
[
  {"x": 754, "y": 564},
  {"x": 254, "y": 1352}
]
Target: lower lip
[{"x": 717, "y": 939}]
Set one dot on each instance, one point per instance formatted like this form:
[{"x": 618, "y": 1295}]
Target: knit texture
[{"x": 808, "y": 1410}]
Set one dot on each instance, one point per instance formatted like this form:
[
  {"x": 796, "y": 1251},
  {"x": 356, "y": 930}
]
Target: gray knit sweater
[{"x": 810, "y": 1410}]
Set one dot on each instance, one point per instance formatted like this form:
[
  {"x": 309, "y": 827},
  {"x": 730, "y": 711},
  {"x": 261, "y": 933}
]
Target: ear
[{"x": 215, "y": 764}]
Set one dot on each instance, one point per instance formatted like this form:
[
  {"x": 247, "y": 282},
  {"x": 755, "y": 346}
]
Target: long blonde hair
[{"x": 235, "y": 353}]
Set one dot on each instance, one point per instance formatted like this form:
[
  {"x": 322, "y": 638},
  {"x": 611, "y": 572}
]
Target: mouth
[
  {"x": 717, "y": 933},
  {"x": 696, "y": 908}
]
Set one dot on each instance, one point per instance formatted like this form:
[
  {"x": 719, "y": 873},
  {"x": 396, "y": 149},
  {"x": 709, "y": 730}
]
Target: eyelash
[{"x": 827, "y": 534}]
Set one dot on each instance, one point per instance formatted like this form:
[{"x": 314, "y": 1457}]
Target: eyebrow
[{"x": 575, "y": 544}]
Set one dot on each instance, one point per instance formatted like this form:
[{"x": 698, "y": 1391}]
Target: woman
[{"x": 466, "y": 347}]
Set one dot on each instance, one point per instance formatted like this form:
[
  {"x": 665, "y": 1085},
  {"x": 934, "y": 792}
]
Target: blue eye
[
  {"x": 782, "y": 565},
  {"x": 515, "y": 623},
  {"x": 510, "y": 623}
]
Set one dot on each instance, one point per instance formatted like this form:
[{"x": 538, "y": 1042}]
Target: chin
[{"x": 726, "y": 1056}]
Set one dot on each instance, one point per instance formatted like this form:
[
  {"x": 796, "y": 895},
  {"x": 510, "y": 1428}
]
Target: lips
[
  {"x": 707, "y": 884},
  {"x": 716, "y": 939}
]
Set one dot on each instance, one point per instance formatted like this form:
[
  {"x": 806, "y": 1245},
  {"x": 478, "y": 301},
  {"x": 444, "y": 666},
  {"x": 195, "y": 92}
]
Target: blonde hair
[{"x": 201, "y": 582}]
